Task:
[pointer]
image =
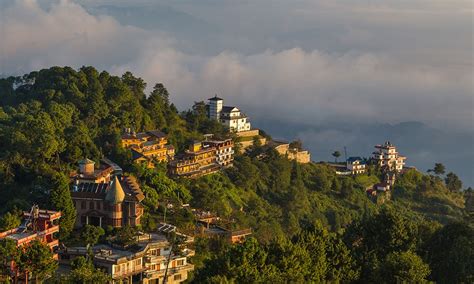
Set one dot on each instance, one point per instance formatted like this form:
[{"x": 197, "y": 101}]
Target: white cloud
[{"x": 303, "y": 85}]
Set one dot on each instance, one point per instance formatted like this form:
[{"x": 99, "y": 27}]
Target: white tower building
[
  {"x": 229, "y": 116},
  {"x": 215, "y": 107}
]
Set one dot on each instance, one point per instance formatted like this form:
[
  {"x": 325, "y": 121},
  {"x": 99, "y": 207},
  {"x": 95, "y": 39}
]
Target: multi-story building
[
  {"x": 356, "y": 165},
  {"x": 230, "y": 116},
  {"x": 387, "y": 157},
  {"x": 148, "y": 146},
  {"x": 115, "y": 200},
  {"x": 151, "y": 259},
  {"x": 224, "y": 151},
  {"x": 197, "y": 161},
  {"x": 38, "y": 224}
]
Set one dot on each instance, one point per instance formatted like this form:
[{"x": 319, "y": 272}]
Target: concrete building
[
  {"x": 38, "y": 224},
  {"x": 148, "y": 262},
  {"x": 224, "y": 151},
  {"x": 148, "y": 146},
  {"x": 197, "y": 161},
  {"x": 230, "y": 116},
  {"x": 114, "y": 201},
  {"x": 387, "y": 157},
  {"x": 356, "y": 165},
  {"x": 283, "y": 148}
]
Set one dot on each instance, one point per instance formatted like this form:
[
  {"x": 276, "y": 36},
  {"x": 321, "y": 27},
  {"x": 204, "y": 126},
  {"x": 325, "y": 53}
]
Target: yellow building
[
  {"x": 148, "y": 146},
  {"x": 283, "y": 148},
  {"x": 197, "y": 161}
]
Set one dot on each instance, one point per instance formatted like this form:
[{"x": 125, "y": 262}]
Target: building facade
[
  {"x": 148, "y": 146},
  {"x": 38, "y": 224},
  {"x": 148, "y": 263},
  {"x": 356, "y": 165},
  {"x": 283, "y": 148},
  {"x": 231, "y": 117},
  {"x": 115, "y": 201},
  {"x": 197, "y": 161},
  {"x": 387, "y": 157},
  {"x": 224, "y": 151}
]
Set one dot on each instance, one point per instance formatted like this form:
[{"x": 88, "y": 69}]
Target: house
[
  {"x": 148, "y": 146},
  {"x": 284, "y": 149},
  {"x": 114, "y": 200},
  {"x": 147, "y": 262},
  {"x": 202, "y": 158},
  {"x": 356, "y": 165},
  {"x": 37, "y": 224},
  {"x": 230, "y": 116},
  {"x": 224, "y": 151},
  {"x": 381, "y": 192},
  {"x": 387, "y": 157},
  {"x": 89, "y": 172}
]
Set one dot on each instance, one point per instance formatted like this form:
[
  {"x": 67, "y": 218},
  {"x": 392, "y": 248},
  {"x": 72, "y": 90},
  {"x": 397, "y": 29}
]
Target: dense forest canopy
[{"x": 308, "y": 223}]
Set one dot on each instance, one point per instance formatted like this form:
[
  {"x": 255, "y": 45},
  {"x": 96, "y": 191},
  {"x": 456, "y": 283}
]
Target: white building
[
  {"x": 356, "y": 165},
  {"x": 230, "y": 116},
  {"x": 387, "y": 156}
]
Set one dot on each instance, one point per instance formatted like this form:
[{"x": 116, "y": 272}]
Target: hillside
[{"x": 51, "y": 118}]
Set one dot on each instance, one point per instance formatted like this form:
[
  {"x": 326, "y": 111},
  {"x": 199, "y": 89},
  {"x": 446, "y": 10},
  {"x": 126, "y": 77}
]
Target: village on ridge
[{"x": 106, "y": 196}]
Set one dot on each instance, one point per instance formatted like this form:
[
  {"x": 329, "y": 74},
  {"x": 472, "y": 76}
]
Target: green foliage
[
  {"x": 38, "y": 260},
  {"x": 61, "y": 200},
  {"x": 312, "y": 257},
  {"x": 404, "y": 267},
  {"x": 83, "y": 271},
  {"x": 91, "y": 234},
  {"x": 453, "y": 183},
  {"x": 9, "y": 221},
  {"x": 450, "y": 254},
  {"x": 8, "y": 253}
]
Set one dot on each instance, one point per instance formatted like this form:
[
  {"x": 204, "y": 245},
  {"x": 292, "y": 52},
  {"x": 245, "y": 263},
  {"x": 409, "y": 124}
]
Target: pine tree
[{"x": 61, "y": 200}]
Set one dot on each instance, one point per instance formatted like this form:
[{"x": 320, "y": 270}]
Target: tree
[
  {"x": 404, "y": 267},
  {"x": 336, "y": 154},
  {"x": 8, "y": 253},
  {"x": 9, "y": 221},
  {"x": 451, "y": 254},
  {"x": 453, "y": 183},
  {"x": 298, "y": 144},
  {"x": 438, "y": 169},
  {"x": 83, "y": 271},
  {"x": 38, "y": 260},
  {"x": 61, "y": 200},
  {"x": 91, "y": 234}
]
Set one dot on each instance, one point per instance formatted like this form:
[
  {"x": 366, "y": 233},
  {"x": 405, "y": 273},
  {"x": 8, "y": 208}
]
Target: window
[
  {"x": 177, "y": 277},
  {"x": 98, "y": 205},
  {"x": 180, "y": 262},
  {"x": 83, "y": 205},
  {"x": 91, "y": 205}
]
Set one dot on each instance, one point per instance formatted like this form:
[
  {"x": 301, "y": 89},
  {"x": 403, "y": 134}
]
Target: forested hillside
[{"x": 308, "y": 224}]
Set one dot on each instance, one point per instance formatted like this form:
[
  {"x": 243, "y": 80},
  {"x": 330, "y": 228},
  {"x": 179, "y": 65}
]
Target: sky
[{"x": 334, "y": 73}]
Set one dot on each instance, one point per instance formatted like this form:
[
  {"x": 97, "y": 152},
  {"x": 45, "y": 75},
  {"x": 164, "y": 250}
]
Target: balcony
[{"x": 154, "y": 259}]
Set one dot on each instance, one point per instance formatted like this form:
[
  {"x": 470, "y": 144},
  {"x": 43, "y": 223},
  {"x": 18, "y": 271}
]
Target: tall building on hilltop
[
  {"x": 387, "y": 157},
  {"x": 230, "y": 116},
  {"x": 112, "y": 200}
]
